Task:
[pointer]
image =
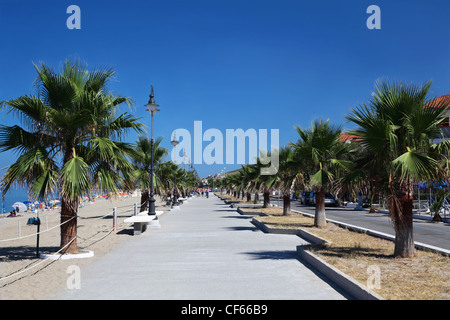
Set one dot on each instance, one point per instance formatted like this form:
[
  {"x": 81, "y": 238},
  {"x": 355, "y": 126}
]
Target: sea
[{"x": 11, "y": 197}]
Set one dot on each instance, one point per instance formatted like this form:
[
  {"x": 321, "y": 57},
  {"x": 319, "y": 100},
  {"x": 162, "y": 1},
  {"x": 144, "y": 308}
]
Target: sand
[{"x": 39, "y": 278}]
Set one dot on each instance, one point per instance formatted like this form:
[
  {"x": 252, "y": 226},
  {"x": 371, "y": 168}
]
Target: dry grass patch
[
  {"x": 293, "y": 221},
  {"x": 361, "y": 256},
  {"x": 231, "y": 198},
  {"x": 273, "y": 211},
  {"x": 227, "y": 197}
]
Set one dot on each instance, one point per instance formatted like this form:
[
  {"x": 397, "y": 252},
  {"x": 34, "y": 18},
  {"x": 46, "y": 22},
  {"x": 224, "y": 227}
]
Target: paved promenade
[{"x": 205, "y": 251}]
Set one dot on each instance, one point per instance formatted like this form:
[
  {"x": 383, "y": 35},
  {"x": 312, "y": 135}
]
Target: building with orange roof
[
  {"x": 445, "y": 125},
  {"x": 345, "y": 137}
]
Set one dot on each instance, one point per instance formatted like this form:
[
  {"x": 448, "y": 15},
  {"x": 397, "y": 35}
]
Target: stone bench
[{"x": 141, "y": 220}]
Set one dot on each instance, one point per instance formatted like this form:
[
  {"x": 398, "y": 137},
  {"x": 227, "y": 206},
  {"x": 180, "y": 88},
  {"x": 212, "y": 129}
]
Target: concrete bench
[{"x": 141, "y": 220}]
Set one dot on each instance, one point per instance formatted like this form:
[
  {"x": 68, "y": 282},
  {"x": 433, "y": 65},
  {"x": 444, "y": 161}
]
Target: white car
[{"x": 329, "y": 200}]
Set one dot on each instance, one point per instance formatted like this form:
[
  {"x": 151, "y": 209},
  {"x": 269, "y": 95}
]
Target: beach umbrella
[{"x": 22, "y": 206}]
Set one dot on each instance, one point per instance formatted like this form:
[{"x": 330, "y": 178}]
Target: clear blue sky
[{"x": 231, "y": 63}]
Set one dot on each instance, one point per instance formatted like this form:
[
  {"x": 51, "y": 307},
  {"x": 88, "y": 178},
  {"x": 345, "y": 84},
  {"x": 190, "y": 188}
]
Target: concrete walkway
[{"x": 205, "y": 251}]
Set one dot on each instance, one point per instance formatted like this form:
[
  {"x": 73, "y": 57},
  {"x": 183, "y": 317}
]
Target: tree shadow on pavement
[
  {"x": 272, "y": 255},
  {"x": 237, "y": 217},
  {"x": 254, "y": 229}
]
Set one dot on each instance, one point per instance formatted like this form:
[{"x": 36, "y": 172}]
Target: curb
[
  {"x": 311, "y": 238},
  {"x": 247, "y": 205},
  {"x": 230, "y": 202},
  {"x": 346, "y": 283},
  {"x": 254, "y": 213}
]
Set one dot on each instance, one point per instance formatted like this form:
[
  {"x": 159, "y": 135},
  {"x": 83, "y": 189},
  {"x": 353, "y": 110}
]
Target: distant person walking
[{"x": 207, "y": 193}]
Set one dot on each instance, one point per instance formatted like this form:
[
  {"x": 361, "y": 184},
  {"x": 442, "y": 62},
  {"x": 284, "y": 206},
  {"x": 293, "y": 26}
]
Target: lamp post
[
  {"x": 184, "y": 174},
  {"x": 152, "y": 107},
  {"x": 175, "y": 205},
  {"x": 190, "y": 178}
]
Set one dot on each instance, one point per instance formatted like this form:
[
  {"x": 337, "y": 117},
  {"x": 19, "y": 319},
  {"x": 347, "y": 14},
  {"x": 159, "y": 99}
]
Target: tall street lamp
[
  {"x": 152, "y": 107},
  {"x": 175, "y": 194},
  {"x": 184, "y": 174},
  {"x": 191, "y": 186}
]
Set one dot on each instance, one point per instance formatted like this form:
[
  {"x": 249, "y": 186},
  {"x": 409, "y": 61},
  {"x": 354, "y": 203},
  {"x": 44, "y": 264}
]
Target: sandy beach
[{"x": 25, "y": 277}]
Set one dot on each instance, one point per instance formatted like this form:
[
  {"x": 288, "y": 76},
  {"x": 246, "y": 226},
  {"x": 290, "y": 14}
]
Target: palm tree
[
  {"x": 396, "y": 129},
  {"x": 166, "y": 173},
  {"x": 235, "y": 183},
  {"x": 179, "y": 173},
  {"x": 252, "y": 174},
  {"x": 71, "y": 142},
  {"x": 322, "y": 154},
  {"x": 142, "y": 161},
  {"x": 287, "y": 176},
  {"x": 261, "y": 181},
  {"x": 246, "y": 174},
  {"x": 359, "y": 178},
  {"x": 440, "y": 197},
  {"x": 191, "y": 181}
]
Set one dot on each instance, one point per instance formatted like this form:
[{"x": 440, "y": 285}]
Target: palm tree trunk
[
  {"x": 320, "y": 220},
  {"x": 145, "y": 195},
  {"x": 286, "y": 204},
  {"x": 256, "y": 200},
  {"x": 266, "y": 198},
  {"x": 69, "y": 211},
  {"x": 402, "y": 218},
  {"x": 437, "y": 217},
  {"x": 372, "y": 195}
]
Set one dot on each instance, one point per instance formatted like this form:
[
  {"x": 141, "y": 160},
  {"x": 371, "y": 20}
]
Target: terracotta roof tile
[
  {"x": 347, "y": 137},
  {"x": 442, "y": 99}
]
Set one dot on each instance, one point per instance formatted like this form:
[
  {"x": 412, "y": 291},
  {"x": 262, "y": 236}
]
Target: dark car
[{"x": 306, "y": 198}]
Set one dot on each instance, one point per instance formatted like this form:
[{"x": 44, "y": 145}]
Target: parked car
[
  {"x": 305, "y": 198},
  {"x": 329, "y": 199},
  {"x": 312, "y": 198}
]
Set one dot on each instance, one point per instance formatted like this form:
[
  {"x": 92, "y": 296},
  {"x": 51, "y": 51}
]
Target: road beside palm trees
[{"x": 390, "y": 151}]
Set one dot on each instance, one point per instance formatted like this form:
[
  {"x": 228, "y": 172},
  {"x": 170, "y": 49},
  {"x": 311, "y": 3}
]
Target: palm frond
[
  {"x": 417, "y": 165},
  {"x": 322, "y": 178},
  {"x": 75, "y": 175}
]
